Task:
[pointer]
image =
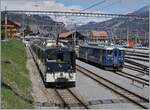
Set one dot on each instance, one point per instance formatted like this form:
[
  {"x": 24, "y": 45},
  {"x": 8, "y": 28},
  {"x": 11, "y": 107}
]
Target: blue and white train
[
  {"x": 108, "y": 57},
  {"x": 56, "y": 63}
]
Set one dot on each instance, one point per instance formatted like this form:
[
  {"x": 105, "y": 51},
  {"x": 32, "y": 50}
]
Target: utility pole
[
  {"x": 145, "y": 38},
  {"x": 23, "y": 26},
  {"x": 75, "y": 37},
  {"x": 5, "y": 23},
  {"x": 136, "y": 37},
  {"x": 127, "y": 36},
  {"x": 113, "y": 39}
]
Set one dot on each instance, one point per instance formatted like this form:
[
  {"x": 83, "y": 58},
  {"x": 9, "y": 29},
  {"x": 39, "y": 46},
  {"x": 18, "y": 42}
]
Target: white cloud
[
  {"x": 36, "y": 5},
  {"x": 45, "y": 5}
]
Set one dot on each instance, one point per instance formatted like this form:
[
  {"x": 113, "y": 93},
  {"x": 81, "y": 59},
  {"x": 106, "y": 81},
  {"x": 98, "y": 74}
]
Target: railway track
[
  {"x": 133, "y": 97},
  {"x": 135, "y": 58},
  {"x": 133, "y": 78},
  {"x": 49, "y": 102},
  {"x": 69, "y": 99},
  {"x": 137, "y": 55},
  {"x": 63, "y": 96},
  {"x": 141, "y": 70},
  {"x": 140, "y": 54},
  {"x": 137, "y": 64}
]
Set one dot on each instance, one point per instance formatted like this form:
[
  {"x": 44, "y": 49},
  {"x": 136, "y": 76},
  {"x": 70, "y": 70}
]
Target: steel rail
[
  {"x": 133, "y": 77},
  {"x": 82, "y": 103},
  {"x": 135, "y": 54},
  {"x": 120, "y": 90},
  {"x": 146, "y": 80},
  {"x": 65, "y": 105},
  {"x": 141, "y": 70},
  {"x": 136, "y": 64},
  {"x": 135, "y": 58},
  {"x": 74, "y": 96}
]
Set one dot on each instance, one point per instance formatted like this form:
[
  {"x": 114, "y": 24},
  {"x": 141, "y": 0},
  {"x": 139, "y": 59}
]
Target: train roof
[
  {"x": 58, "y": 48},
  {"x": 50, "y": 45},
  {"x": 101, "y": 46}
]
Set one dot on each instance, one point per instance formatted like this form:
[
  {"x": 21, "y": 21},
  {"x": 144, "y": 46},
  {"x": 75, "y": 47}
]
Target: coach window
[
  {"x": 96, "y": 53},
  {"x": 104, "y": 52},
  {"x": 109, "y": 52},
  {"x": 51, "y": 56},
  {"x": 67, "y": 57},
  {"x": 60, "y": 57}
]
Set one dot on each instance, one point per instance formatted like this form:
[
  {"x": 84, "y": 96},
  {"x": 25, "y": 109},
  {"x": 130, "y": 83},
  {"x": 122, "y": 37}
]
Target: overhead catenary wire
[
  {"x": 98, "y": 3},
  {"x": 113, "y": 3}
]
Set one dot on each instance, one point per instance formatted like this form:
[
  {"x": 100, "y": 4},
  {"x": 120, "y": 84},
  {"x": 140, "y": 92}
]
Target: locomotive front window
[
  {"x": 51, "y": 56},
  {"x": 115, "y": 52},
  {"x": 109, "y": 52},
  {"x": 121, "y": 52},
  {"x": 67, "y": 57},
  {"x": 59, "y": 57}
]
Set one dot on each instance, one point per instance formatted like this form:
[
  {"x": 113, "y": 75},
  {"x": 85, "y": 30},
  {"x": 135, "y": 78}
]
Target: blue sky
[{"x": 110, "y": 6}]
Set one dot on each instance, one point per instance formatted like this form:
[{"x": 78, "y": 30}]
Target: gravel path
[{"x": 42, "y": 100}]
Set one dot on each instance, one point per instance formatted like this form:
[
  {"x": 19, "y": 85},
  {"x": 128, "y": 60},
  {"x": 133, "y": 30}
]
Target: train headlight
[
  {"x": 70, "y": 75},
  {"x": 108, "y": 58}
]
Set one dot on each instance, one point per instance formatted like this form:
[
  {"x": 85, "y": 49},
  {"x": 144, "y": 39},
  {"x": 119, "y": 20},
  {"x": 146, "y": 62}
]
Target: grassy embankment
[{"x": 16, "y": 85}]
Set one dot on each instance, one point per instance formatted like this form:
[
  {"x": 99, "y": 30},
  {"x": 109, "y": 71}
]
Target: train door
[
  {"x": 100, "y": 55},
  {"x": 86, "y": 55},
  {"x": 115, "y": 54}
]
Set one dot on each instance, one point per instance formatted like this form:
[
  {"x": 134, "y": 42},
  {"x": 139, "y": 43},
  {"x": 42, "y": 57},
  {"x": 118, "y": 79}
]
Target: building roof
[
  {"x": 65, "y": 34},
  {"x": 71, "y": 35},
  {"x": 17, "y": 24},
  {"x": 99, "y": 34}
]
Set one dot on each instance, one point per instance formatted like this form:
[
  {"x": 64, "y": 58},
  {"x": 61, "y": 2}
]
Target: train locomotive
[
  {"x": 107, "y": 57},
  {"x": 56, "y": 63}
]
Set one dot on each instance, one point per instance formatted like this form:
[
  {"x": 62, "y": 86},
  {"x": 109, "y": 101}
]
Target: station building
[
  {"x": 99, "y": 35},
  {"x": 12, "y": 28},
  {"x": 70, "y": 37}
]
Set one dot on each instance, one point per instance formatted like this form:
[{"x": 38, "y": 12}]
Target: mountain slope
[
  {"x": 120, "y": 23},
  {"x": 40, "y": 23}
]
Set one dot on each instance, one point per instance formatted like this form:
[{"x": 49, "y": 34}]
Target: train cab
[
  {"x": 56, "y": 63},
  {"x": 113, "y": 57},
  {"x": 108, "y": 57}
]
